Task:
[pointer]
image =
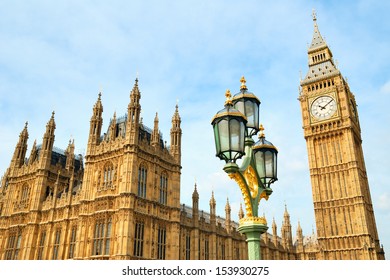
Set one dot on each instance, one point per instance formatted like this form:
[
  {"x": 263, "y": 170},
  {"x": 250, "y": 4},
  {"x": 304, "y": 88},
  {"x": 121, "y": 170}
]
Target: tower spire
[
  {"x": 321, "y": 64},
  {"x": 317, "y": 40}
]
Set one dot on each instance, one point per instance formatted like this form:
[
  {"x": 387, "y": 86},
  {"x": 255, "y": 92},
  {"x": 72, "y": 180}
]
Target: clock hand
[{"x": 327, "y": 104}]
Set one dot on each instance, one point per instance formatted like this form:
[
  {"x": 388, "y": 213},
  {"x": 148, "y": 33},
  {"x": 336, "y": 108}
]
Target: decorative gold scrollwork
[
  {"x": 248, "y": 207},
  {"x": 251, "y": 180}
]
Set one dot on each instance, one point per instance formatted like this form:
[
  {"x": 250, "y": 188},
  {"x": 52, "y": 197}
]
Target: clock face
[{"x": 324, "y": 107}]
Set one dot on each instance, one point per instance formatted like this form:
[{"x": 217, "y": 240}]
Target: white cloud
[
  {"x": 384, "y": 201},
  {"x": 385, "y": 88}
]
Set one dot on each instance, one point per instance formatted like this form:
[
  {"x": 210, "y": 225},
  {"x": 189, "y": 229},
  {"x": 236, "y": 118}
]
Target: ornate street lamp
[
  {"x": 259, "y": 164},
  {"x": 229, "y": 132}
]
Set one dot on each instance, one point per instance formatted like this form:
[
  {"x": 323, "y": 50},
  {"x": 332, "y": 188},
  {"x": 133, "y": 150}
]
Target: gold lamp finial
[
  {"x": 261, "y": 128},
  {"x": 243, "y": 83},
  {"x": 228, "y": 97}
]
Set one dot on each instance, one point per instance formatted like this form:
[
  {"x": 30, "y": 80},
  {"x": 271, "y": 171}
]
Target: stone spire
[
  {"x": 48, "y": 142},
  {"x": 241, "y": 212},
  {"x": 33, "y": 153},
  {"x": 133, "y": 114},
  {"x": 320, "y": 58},
  {"x": 155, "y": 134},
  {"x": 286, "y": 229},
  {"x": 195, "y": 198},
  {"x": 317, "y": 42},
  {"x": 212, "y": 204},
  {"x": 176, "y": 136},
  {"x": 96, "y": 123},
  {"x": 112, "y": 131},
  {"x": 21, "y": 148},
  {"x": 274, "y": 232},
  {"x": 227, "y": 215},
  {"x": 70, "y": 155}
]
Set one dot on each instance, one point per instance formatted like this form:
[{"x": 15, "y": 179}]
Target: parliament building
[{"x": 122, "y": 200}]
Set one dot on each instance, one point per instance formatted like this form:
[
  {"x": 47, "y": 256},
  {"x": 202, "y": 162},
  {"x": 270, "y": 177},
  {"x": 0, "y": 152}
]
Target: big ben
[{"x": 344, "y": 214}]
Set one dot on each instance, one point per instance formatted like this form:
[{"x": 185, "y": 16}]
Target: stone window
[
  {"x": 102, "y": 236},
  {"x": 139, "y": 240},
  {"x": 72, "y": 242},
  {"x": 142, "y": 178},
  {"x": 13, "y": 246},
  {"x": 56, "y": 245},
  {"x": 41, "y": 247},
  {"x": 161, "y": 243},
  {"x": 188, "y": 246},
  {"x": 163, "y": 188},
  {"x": 206, "y": 248}
]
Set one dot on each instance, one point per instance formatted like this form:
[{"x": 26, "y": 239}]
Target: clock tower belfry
[{"x": 346, "y": 227}]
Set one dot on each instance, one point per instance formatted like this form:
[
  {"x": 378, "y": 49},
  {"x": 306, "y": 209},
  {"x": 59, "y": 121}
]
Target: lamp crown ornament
[
  {"x": 228, "y": 98},
  {"x": 243, "y": 83},
  {"x": 261, "y": 133}
]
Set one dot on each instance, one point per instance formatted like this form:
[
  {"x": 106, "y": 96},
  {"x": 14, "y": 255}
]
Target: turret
[
  {"x": 274, "y": 233},
  {"x": 241, "y": 214},
  {"x": 33, "y": 153},
  {"x": 195, "y": 200},
  {"x": 195, "y": 207},
  {"x": 155, "y": 134},
  {"x": 212, "y": 204},
  {"x": 176, "y": 136},
  {"x": 96, "y": 123},
  {"x": 112, "y": 129},
  {"x": 20, "y": 149},
  {"x": 70, "y": 155},
  {"x": 228, "y": 211},
  {"x": 212, "y": 211},
  {"x": 47, "y": 143},
  {"x": 133, "y": 114},
  {"x": 299, "y": 235},
  {"x": 286, "y": 229}
]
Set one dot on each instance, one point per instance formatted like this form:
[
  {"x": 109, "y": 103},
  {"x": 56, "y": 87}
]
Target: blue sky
[{"x": 56, "y": 55}]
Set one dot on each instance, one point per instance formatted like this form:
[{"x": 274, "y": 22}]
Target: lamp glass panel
[
  {"x": 240, "y": 106},
  {"x": 216, "y": 139},
  {"x": 223, "y": 129},
  {"x": 235, "y": 135},
  {"x": 250, "y": 113},
  {"x": 259, "y": 157},
  {"x": 269, "y": 164}
]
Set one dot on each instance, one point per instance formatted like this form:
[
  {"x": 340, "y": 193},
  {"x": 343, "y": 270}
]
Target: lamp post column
[{"x": 253, "y": 228}]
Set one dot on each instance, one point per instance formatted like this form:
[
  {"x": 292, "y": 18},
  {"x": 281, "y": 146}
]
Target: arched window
[
  {"x": 138, "y": 248},
  {"x": 25, "y": 194},
  {"x": 13, "y": 245},
  {"x": 56, "y": 245},
  {"x": 72, "y": 242},
  {"x": 163, "y": 188},
  {"x": 108, "y": 176},
  {"x": 142, "y": 178},
  {"x": 102, "y": 237}
]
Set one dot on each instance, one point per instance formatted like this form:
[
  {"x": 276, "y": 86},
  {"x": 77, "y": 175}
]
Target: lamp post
[{"x": 234, "y": 126}]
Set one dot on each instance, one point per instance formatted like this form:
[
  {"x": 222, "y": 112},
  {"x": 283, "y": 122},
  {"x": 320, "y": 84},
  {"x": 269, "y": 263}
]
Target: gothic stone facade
[{"x": 122, "y": 203}]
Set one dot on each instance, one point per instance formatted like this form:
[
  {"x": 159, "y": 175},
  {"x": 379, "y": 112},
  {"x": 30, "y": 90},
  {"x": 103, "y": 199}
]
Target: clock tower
[{"x": 346, "y": 227}]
